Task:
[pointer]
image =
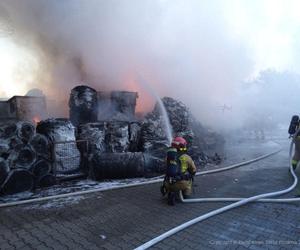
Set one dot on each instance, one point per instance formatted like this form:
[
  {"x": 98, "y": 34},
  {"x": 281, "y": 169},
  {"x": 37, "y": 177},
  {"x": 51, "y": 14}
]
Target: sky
[{"x": 205, "y": 53}]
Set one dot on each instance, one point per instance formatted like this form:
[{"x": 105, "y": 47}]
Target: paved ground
[{"x": 126, "y": 218}]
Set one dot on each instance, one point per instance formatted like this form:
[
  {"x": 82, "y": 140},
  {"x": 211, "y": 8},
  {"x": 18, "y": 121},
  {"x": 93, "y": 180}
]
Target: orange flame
[
  {"x": 145, "y": 101},
  {"x": 36, "y": 119}
]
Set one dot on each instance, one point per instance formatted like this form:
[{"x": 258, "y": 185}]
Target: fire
[
  {"x": 145, "y": 102},
  {"x": 36, "y": 119}
]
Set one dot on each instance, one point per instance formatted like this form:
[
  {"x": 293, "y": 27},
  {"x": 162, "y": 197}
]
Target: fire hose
[{"x": 239, "y": 202}]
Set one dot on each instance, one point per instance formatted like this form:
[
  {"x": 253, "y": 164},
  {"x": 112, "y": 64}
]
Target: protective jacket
[{"x": 184, "y": 183}]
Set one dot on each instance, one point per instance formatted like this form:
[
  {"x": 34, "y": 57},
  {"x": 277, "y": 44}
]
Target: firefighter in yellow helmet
[{"x": 179, "y": 171}]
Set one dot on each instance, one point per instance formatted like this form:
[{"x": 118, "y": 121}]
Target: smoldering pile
[
  {"x": 203, "y": 143},
  {"x": 102, "y": 140},
  {"x": 24, "y": 158},
  {"x": 121, "y": 148}
]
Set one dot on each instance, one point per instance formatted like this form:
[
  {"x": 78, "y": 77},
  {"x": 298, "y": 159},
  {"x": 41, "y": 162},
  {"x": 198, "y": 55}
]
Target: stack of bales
[
  {"x": 24, "y": 158},
  {"x": 113, "y": 149}
]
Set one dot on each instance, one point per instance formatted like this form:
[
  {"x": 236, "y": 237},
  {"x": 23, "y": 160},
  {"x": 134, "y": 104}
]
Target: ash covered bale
[
  {"x": 22, "y": 156},
  {"x": 41, "y": 146},
  {"x": 8, "y": 130},
  {"x": 57, "y": 130},
  {"x": 94, "y": 133},
  {"x": 153, "y": 135},
  {"x": 18, "y": 180},
  {"x": 83, "y": 105},
  {"x": 4, "y": 170},
  {"x": 4, "y": 147},
  {"x": 118, "y": 165},
  {"x": 180, "y": 118},
  {"x": 26, "y": 131},
  {"x": 40, "y": 168},
  {"x": 135, "y": 137},
  {"x": 117, "y": 137},
  {"x": 61, "y": 133}
]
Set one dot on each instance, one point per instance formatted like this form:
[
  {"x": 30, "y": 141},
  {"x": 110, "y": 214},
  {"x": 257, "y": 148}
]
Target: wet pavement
[{"x": 127, "y": 218}]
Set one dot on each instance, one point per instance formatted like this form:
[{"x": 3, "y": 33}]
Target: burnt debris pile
[
  {"x": 203, "y": 143},
  {"x": 103, "y": 139},
  {"x": 24, "y": 158}
]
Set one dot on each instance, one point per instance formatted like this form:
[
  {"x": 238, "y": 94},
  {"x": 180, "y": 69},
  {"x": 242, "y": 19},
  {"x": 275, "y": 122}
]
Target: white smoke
[{"x": 184, "y": 49}]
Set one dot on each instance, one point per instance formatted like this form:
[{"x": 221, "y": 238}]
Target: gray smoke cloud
[{"x": 182, "y": 49}]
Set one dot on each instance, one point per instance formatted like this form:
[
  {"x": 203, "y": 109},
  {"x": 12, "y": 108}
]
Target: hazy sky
[{"x": 202, "y": 52}]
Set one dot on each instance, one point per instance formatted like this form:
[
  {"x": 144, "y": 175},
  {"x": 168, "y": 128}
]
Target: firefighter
[
  {"x": 295, "y": 134},
  {"x": 180, "y": 170}
]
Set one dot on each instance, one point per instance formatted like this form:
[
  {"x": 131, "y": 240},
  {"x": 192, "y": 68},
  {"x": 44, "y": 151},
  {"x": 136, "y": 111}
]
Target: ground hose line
[
  {"x": 222, "y": 209},
  {"x": 156, "y": 180}
]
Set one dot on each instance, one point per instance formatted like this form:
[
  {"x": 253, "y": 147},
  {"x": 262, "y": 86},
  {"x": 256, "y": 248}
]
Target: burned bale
[
  {"x": 26, "y": 131},
  {"x": 4, "y": 170},
  {"x": 22, "y": 156},
  {"x": 15, "y": 142},
  {"x": 135, "y": 137},
  {"x": 83, "y": 105},
  {"x": 47, "y": 180},
  {"x": 40, "y": 168},
  {"x": 117, "y": 165},
  {"x": 67, "y": 157},
  {"x": 8, "y": 130},
  {"x": 117, "y": 137},
  {"x": 41, "y": 146},
  {"x": 124, "y": 102},
  {"x": 117, "y": 106},
  {"x": 4, "y": 147},
  {"x": 59, "y": 129},
  {"x": 94, "y": 133},
  {"x": 153, "y": 136},
  {"x": 18, "y": 180},
  {"x": 61, "y": 134}
]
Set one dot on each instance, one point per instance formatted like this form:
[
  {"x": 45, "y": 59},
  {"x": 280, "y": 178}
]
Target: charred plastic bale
[
  {"x": 40, "y": 168},
  {"x": 15, "y": 142},
  {"x": 135, "y": 137},
  {"x": 4, "y": 170},
  {"x": 8, "y": 130},
  {"x": 124, "y": 102},
  {"x": 22, "y": 156},
  {"x": 153, "y": 136},
  {"x": 179, "y": 114},
  {"x": 94, "y": 133},
  {"x": 41, "y": 146},
  {"x": 18, "y": 180},
  {"x": 61, "y": 133},
  {"x": 118, "y": 165},
  {"x": 47, "y": 180},
  {"x": 26, "y": 131},
  {"x": 59, "y": 129},
  {"x": 83, "y": 105},
  {"x": 4, "y": 147},
  {"x": 117, "y": 137}
]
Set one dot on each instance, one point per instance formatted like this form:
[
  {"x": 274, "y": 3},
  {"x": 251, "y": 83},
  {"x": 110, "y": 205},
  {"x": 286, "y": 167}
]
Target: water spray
[{"x": 166, "y": 120}]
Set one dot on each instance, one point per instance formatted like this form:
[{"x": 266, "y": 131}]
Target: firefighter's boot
[{"x": 171, "y": 198}]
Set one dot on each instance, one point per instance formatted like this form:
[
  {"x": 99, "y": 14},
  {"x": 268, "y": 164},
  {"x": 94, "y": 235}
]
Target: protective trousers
[
  {"x": 296, "y": 156},
  {"x": 185, "y": 186}
]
